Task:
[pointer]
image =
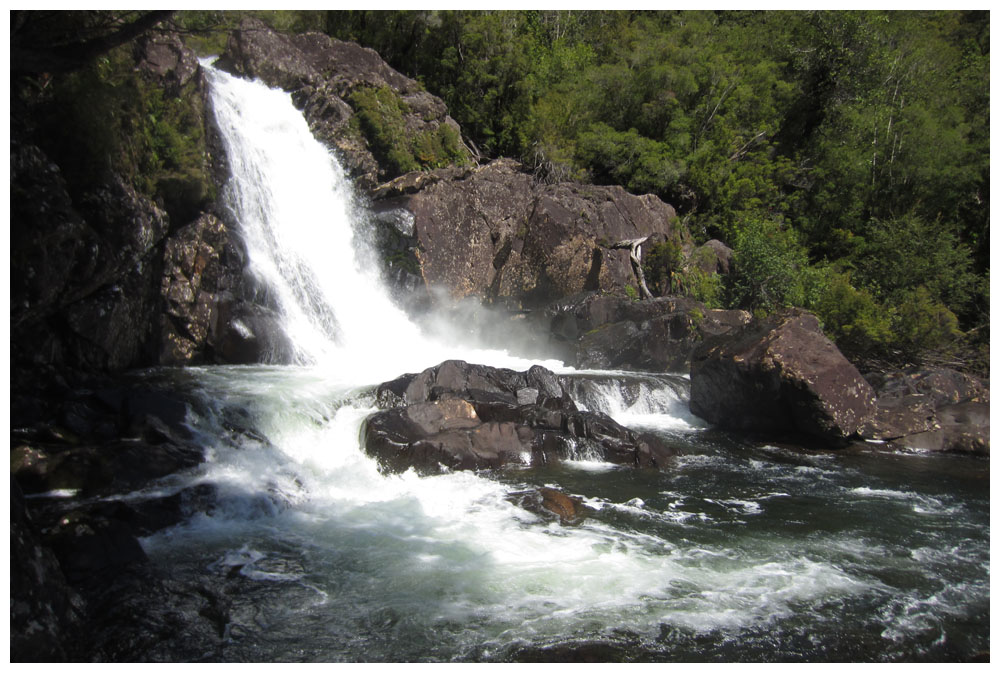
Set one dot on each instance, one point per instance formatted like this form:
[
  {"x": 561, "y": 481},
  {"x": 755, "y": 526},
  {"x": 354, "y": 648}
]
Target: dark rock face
[
  {"x": 84, "y": 272},
  {"x": 607, "y": 332},
  {"x": 932, "y": 409},
  {"x": 778, "y": 375},
  {"x": 493, "y": 232},
  {"x": 210, "y": 314},
  {"x": 471, "y": 417},
  {"x": 44, "y": 610},
  {"x": 320, "y": 73}
]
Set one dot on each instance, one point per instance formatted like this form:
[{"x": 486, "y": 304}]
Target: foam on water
[{"x": 724, "y": 541}]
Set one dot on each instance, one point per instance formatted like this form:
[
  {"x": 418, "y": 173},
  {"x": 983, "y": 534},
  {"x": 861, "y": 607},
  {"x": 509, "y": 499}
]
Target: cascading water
[
  {"x": 297, "y": 213},
  {"x": 736, "y": 552}
]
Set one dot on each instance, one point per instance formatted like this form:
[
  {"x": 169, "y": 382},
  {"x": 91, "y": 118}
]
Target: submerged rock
[
  {"x": 934, "y": 409},
  {"x": 781, "y": 375},
  {"x": 548, "y": 502},
  {"x": 471, "y": 417}
]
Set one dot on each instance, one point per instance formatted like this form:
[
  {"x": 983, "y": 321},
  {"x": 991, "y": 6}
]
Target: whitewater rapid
[{"x": 735, "y": 552}]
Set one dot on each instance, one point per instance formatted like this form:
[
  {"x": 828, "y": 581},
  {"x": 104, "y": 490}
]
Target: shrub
[
  {"x": 768, "y": 267},
  {"x": 923, "y": 323},
  {"x": 852, "y": 317}
]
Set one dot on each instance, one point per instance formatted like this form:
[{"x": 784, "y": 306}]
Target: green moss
[{"x": 381, "y": 115}]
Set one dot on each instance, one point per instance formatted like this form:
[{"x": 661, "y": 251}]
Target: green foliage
[
  {"x": 896, "y": 256},
  {"x": 708, "y": 288},
  {"x": 851, "y": 317},
  {"x": 631, "y": 293},
  {"x": 382, "y": 117},
  {"x": 923, "y": 323},
  {"x": 640, "y": 164},
  {"x": 106, "y": 119},
  {"x": 662, "y": 261},
  {"x": 768, "y": 267}
]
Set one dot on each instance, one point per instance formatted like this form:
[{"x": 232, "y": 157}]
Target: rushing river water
[{"x": 738, "y": 551}]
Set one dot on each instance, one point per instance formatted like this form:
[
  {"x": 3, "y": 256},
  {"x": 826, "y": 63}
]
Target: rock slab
[{"x": 781, "y": 375}]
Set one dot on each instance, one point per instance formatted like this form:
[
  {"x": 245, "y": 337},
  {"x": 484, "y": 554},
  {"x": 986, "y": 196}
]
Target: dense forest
[{"x": 843, "y": 156}]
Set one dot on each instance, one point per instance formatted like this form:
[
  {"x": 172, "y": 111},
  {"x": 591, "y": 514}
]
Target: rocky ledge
[
  {"x": 458, "y": 416},
  {"x": 781, "y": 376}
]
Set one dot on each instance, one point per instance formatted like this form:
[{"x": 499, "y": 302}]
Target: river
[{"x": 738, "y": 551}]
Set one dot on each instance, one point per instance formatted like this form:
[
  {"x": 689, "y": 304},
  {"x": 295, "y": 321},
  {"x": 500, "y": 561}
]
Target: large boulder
[
  {"x": 472, "y": 417},
  {"x": 494, "y": 232},
  {"x": 781, "y": 375}
]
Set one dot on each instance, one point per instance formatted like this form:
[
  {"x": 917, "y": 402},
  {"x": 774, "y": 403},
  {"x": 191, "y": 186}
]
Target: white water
[
  {"x": 303, "y": 509},
  {"x": 298, "y": 215}
]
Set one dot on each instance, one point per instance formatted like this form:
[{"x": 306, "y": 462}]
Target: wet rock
[
  {"x": 933, "y": 409},
  {"x": 462, "y": 416},
  {"x": 546, "y": 502},
  {"x": 44, "y": 610},
  {"x": 125, "y": 436},
  {"x": 597, "y": 331},
  {"x": 210, "y": 310},
  {"x": 781, "y": 375}
]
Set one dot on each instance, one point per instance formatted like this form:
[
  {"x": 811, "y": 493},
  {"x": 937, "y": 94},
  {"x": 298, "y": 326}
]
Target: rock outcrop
[
  {"x": 321, "y": 73},
  {"x": 84, "y": 270},
  {"x": 781, "y": 375},
  {"x": 595, "y": 331},
  {"x": 494, "y": 233},
  {"x": 933, "y": 409},
  {"x": 458, "y": 416},
  {"x": 210, "y": 309}
]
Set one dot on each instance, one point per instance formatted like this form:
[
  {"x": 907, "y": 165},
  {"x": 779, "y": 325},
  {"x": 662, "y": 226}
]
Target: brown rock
[
  {"x": 780, "y": 375},
  {"x": 462, "y": 416},
  {"x": 493, "y": 232}
]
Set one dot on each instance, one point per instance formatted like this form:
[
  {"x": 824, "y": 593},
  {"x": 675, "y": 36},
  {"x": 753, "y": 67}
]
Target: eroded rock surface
[
  {"x": 472, "y": 417},
  {"x": 933, "y": 409},
  {"x": 494, "y": 233},
  {"x": 781, "y": 375}
]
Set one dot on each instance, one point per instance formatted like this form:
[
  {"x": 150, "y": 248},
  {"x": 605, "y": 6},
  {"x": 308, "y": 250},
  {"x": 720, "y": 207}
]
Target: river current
[{"x": 738, "y": 551}]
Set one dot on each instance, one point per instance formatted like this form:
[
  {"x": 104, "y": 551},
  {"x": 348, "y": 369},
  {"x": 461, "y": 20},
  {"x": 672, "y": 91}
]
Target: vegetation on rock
[{"x": 850, "y": 148}]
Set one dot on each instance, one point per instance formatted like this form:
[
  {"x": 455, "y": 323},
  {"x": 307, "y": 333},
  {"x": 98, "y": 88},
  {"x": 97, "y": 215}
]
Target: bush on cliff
[{"x": 105, "y": 118}]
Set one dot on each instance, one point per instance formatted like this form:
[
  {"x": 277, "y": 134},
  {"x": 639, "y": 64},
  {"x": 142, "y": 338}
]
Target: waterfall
[
  {"x": 736, "y": 551},
  {"x": 301, "y": 222},
  {"x": 296, "y": 210}
]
